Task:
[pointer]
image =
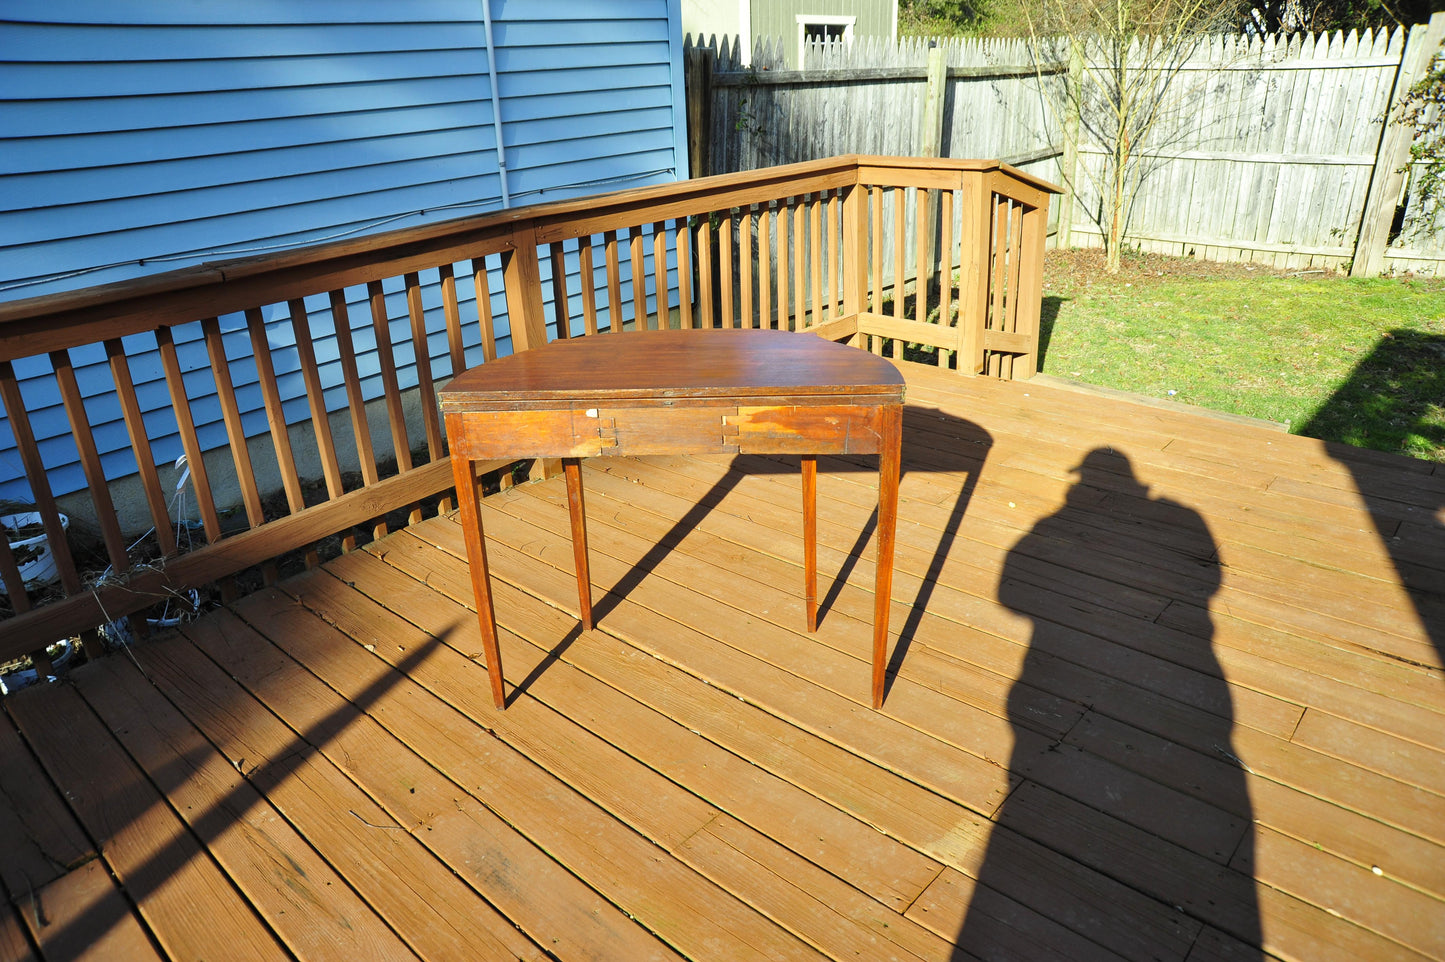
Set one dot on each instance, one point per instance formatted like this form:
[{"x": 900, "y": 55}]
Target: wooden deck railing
[{"x": 828, "y": 247}]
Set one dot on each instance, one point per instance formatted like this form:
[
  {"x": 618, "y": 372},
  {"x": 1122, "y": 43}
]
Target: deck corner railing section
[{"x": 882, "y": 252}]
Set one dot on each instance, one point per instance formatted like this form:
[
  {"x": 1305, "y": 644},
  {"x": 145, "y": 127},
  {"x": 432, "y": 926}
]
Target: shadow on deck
[{"x": 1159, "y": 692}]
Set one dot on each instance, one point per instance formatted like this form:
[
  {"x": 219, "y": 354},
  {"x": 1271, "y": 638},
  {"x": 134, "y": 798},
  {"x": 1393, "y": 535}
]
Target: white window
[{"x": 815, "y": 29}]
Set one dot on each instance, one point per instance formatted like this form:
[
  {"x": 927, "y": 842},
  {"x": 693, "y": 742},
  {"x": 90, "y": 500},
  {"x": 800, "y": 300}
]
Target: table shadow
[{"x": 934, "y": 441}]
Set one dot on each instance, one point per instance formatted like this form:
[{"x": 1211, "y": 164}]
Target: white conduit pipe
[{"x": 496, "y": 104}]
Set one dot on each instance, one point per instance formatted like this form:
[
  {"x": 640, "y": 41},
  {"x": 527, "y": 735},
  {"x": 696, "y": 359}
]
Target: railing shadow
[
  {"x": 1387, "y": 403},
  {"x": 1143, "y": 810},
  {"x": 1049, "y": 309},
  {"x": 162, "y": 864},
  {"x": 934, "y": 441}
]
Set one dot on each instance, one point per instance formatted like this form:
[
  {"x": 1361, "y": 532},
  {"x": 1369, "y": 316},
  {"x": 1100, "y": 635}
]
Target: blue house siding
[{"x": 129, "y": 146}]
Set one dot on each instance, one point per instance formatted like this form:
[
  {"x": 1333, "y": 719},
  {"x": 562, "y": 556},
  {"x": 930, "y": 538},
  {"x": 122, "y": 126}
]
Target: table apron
[{"x": 581, "y": 431}]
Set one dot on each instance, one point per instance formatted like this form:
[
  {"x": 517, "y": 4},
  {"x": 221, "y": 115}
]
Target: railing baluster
[
  {"x": 427, "y": 390},
  {"x": 725, "y": 267},
  {"x": 231, "y": 415},
  {"x": 945, "y": 269},
  {"x": 386, "y": 357},
  {"x": 84, "y": 439},
  {"x": 704, "y": 272},
  {"x": 449, "y": 307},
  {"x": 614, "y": 281},
  {"x": 483, "y": 283},
  {"x": 765, "y": 267},
  {"x": 875, "y": 257},
  {"x": 351, "y": 377},
  {"x": 659, "y": 274},
  {"x": 745, "y": 264},
  {"x": 922, "y": 268},
  {"x": 356, "y": 401},
  {"x": 900, "y": 265},
  {"x": 589, "y": 285},
  {"x": 784, "y": 309},
  {"x": 815, "y": 261},
  {"x": 195, "y": 458},
  {"x": 315, "y": 398},
  {"x": 999, "y": 248},
  {"x": 561, "y": 305},
  {"x": 34, "y": 465},
  {"x": 683, "y": 241},
  {"x": 800, "y": 263},
  {"x": 818, "y": 215},
  {"x": 275, "y": 415},
  {"x": 834, "y": 269},
  {"x": 141, "y": 445},
  {"x": 639, "y": 279}
]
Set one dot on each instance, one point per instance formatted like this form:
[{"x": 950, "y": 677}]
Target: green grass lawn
[{"x": 1353, "y": 360}]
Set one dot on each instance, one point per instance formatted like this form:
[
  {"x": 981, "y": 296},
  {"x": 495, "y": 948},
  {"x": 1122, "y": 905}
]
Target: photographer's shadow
[{"x": 1145, "y": 811}]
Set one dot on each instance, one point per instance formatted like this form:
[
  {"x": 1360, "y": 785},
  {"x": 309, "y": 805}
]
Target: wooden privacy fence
[
  {"x": 1274, "y": 149},
  {"x": 800, "y": 247}
]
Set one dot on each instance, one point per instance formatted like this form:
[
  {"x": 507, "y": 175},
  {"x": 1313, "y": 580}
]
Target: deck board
[{"x": 1179, "y": 706}]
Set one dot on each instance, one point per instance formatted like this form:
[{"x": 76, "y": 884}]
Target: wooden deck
[{"x": 1177, "y": 704}]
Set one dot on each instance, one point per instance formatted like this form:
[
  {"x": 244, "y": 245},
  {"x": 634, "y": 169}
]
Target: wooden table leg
[
  {"x": 470, "y": 510},
  {"x": 810, "y": 539},
  {"x": 890, "y": 465},
  {"x": 572, "y": 467}
]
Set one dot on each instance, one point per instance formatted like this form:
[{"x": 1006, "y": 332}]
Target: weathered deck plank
[
  {"x": 141, "y": 839},
  {"x": 297, "y": 893},
  {"x": 1178, "y": 706}
]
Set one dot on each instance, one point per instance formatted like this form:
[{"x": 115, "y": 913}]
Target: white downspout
[{"x": 496, "y": 104}]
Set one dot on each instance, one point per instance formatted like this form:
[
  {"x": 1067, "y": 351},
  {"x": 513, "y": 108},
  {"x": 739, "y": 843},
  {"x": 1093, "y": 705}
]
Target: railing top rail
[
  {"x": 56, "y": 321},
  {"x": 950, "y": 164}
]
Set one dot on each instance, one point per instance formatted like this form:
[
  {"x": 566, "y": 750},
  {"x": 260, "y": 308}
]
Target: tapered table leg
[
  {"x": 572, "y": 467},
  {"x": 810, "y": 540},
  {"x": 890, "y": 465},
  {"x": 469, "y": 505}
]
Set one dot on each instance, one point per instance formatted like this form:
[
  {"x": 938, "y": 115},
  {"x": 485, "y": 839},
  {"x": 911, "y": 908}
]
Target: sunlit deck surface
[{"x": 1177, "y": 704}]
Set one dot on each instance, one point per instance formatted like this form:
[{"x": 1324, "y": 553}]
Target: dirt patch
[{"x": 1069, "y": 269}]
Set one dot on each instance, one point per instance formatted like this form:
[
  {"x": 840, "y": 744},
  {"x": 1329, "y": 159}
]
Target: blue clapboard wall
[{"x": 143, "y": 136}]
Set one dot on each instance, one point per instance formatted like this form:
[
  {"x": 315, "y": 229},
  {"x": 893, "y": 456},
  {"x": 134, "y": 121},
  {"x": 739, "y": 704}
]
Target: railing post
[
  {"x": 976, "y": 220},
  {"x": 522, "y": 278}
]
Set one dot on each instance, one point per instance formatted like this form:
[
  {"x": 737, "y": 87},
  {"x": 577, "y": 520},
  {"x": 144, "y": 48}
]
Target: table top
[{"x": 677, "y": 364}]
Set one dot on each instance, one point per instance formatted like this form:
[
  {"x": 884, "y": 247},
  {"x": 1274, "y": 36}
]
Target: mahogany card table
[{"x": 678, "y": 392}]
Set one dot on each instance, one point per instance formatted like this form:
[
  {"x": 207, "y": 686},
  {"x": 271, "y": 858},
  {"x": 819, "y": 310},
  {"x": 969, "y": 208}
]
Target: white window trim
[{"x": 828, "y": 20}]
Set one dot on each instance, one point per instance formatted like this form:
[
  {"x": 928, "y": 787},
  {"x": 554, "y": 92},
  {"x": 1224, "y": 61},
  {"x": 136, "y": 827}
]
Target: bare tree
[{"x": 1121, "y": 91}]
